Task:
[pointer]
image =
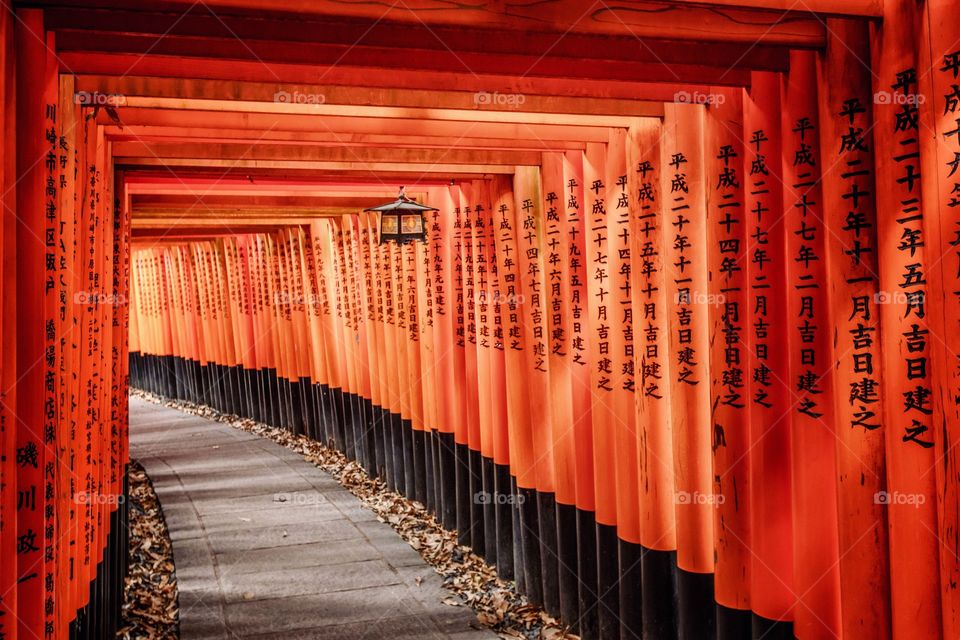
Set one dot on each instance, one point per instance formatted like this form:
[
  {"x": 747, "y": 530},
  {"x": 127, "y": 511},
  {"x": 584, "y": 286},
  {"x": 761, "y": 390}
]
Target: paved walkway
[{"x": 266, "y": 545}]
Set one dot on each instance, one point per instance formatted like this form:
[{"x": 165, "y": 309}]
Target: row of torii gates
[{"x": 686, "y": 312}]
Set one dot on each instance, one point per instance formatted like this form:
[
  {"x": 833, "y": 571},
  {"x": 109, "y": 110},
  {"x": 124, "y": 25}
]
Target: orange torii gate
[{"x": 678, "y": 353}]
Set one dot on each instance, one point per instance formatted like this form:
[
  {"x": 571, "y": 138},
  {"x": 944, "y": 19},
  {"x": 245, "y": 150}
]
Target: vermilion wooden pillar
[
  {"x": 652, "y": 376},
  {"x": 938, "y": 75},
  {"x": 33, "y": 560},
  {"x": 844, "y": 106},
  {"x": 601, "y": 306},
  {"x": 726, "y": 302},
  {"x": 771, "y": 574},
  {"x": 8, "y": 330},
  {"x": 816, "y": 556},
  {"x": 901, "y": 260},
  {"x": 682, "y": 182}
]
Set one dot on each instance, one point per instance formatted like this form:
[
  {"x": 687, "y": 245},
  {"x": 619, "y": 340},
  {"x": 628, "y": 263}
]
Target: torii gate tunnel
[{"x": 679, "y": 353}]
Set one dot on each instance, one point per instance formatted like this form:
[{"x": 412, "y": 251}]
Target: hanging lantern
[{"x": 402, "y": 220}]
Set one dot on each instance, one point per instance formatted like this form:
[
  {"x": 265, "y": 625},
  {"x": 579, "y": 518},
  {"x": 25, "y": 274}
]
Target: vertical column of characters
[
  {"x": 816, "y": 557},
  {"x": 315, "y": 312},
  {"x": 323, "y": 254},
  {"x": 31, "y": 453},
  {"x": 391, "y": 390},
  {"x": 487, "y": 305},
  {"x": 575, "y": 258},
  {"x": 531, "y": 304},
  {"x": 507, "y": 286},
  {"x": 497, "y": 513},
  {"x": 574, "y": 226},
  {"x": 300, "y": 354},
  {"x": 728, "y": 310},
  {"x": 414, "y": 372},
  {"x": 374, "y": 331},
  {"x": 473, "y": 292},
  {"x": 97, "y": 380},
  {"x": 65, "y": 329},
  {"x": 939, "y": 82},
  {"x": 652, "y": 376},
  {"x": 771, "y": 575},
  {"x": 600, "y": 309},
  {"x": 559, "y": 345},
  {"x": 282, "y": 299},
  {"x": 688, "y": 337},
  {"x": 54, "y": 503},
  {"x": 850, "y": 229},
  {"x": 448, "y": 321},
  {"x": 362, "y": 370},
  {"x": 426, "y": 306},
  {"x": 344, "y": 325},
  {"x": 402, "y": 442},
  {"x": 558, "y": 336},
  {"x": 369, "y": 314},
  {"x": 485, "y": 301},
  {"x": 598, "y": 293},
  {"x": 620, "y": 321}
]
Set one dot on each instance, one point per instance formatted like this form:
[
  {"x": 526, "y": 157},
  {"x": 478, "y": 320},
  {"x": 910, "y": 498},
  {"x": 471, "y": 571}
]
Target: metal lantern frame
[{"x": 402, "y": 220}]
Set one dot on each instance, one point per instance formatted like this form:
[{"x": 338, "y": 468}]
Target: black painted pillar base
[
  {"x": 418, "y": 444},
  {"x": 530, "y": 534},
  {"x": 608, "y": 582},
  {"x": 567, "y": 568},
  {"x": 549, "y": 553},
  {"x": 696, "y": 605},
  {"x": 734, "y": 624},
  {"x": 487, "y": 482},
  {"x": 660, "y": 594},
  {"x": 766, "y": 629},
  {"x": 588, "y": 622},
  {"x": 464, "y": 497},
  {"x": 503, "y": 509},
  {"x": 448, "y": 480},
  {"x": 631, "y": 591},
  {"x": 478, "y": 502}
]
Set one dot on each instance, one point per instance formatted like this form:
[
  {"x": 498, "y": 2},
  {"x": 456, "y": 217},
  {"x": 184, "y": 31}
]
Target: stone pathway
[{"x": 266, "y": 545}]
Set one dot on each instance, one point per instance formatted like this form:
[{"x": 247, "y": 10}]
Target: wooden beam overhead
[
  {"x": 172, "y": 66},
  {"x": 214, "y": 135},
  {"x": 640, "y": 18},
  {"x": 417, "y": 113},
  {"x": 163, "y": 150},
  {"x": 198, "y": 49},
  {"x": 456, "y": 39},
  {"x": 325, "y": 94},
  {"x": 349, "y": 125},
  {"x": 373, "y": 169}
]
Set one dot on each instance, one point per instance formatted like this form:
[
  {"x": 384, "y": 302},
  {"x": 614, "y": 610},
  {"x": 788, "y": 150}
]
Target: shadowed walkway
[{"x": 266, "y": 545}]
